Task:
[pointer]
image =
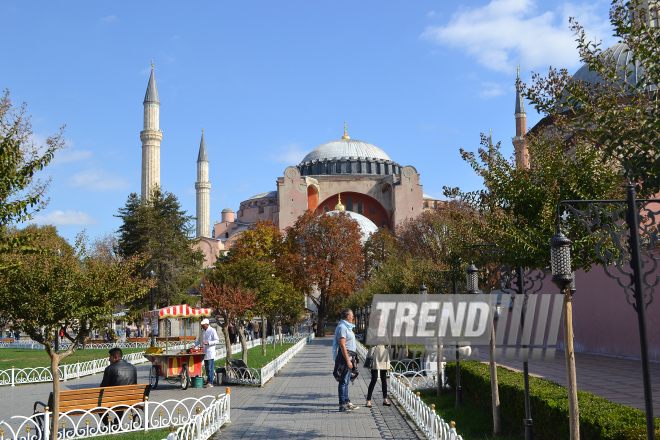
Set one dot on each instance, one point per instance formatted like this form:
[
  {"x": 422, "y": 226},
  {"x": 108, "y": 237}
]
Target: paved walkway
[
  {"x": 300, "y": 402},
  {"x": 616, "y": 379}
]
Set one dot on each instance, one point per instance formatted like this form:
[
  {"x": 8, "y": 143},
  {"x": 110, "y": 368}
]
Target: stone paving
[
  {"x": 614, "y": 378},
  {"x": 300, "y": 402}
]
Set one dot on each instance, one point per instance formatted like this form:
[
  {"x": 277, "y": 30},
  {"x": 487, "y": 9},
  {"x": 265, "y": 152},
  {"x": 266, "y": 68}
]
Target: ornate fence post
[
  {"x": 46, "y": 433},
  {"x": 146, "y": 414},
  {"x": 12, "y": 375}
]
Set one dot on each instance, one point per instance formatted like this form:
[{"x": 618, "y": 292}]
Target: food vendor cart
[{"x": 174, "y": 365}]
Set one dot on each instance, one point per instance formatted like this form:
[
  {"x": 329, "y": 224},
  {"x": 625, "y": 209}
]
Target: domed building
[{"x": 375, "y": 190}]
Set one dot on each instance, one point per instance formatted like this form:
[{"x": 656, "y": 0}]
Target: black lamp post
[
  {"x": 422, "y": 289},
  {"x": 472, "y": 279},
  {"x": 603, "y": 221}
]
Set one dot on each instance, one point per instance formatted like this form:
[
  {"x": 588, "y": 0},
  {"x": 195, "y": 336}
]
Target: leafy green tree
[
  {"x": 22, "y": 193},
  {"x": 159, "y": 228},
  {"x": 77, "y": 288},
  {"x": 619, "y": 113}
]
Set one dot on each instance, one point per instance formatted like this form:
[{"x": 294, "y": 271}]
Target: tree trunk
[
  {"x": 272, "y": 330},
  {"x": 439, "y": 363},
  {"x": 241, "y": 337},
  {"x": 494, "y": 388},
  {"x": 225, "y": 331},
  {"x": 54, "y": 364},
  {"x": 279, "y": 329},
  {"x": 574, "y": 415},
  {"x": 320, "y": 325},
  {"x": 262, "y": 330}
]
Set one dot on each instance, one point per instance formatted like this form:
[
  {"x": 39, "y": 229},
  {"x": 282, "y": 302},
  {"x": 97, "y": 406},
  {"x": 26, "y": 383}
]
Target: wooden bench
[
  {"x": 87, "y": 399},
  {"x": 7, "y": 340}
]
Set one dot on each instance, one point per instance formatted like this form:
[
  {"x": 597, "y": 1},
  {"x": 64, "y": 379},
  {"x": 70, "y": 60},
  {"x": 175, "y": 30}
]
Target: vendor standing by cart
[{"x": 208, "y": 339}]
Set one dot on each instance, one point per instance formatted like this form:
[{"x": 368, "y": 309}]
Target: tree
[
  {"x": 229, "y": 303},
  {"x": 21, "y": 192},
  {"x": 519, "y": 206},
  {"x": 44, "y": 292},
  {"x": 324, "y": 255},
  {"x": 620, "y": 113},
  {"x": 159, "y": 228}
]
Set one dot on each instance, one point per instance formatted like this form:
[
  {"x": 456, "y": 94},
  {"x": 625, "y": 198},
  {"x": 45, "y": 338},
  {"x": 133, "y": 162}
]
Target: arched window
[
  {"x": 383, "y": 223},
  {"x": 359, "y": 208},
  {"x": 226, "y": 234},
  {"x": 349, "y": 204},
  {"x": 326, "y": 208},
  {"x": 373, "y": 209}
]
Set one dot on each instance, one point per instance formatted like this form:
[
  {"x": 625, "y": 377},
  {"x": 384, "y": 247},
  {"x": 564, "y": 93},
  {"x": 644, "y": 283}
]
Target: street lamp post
[{"x": 610, "y": 221}]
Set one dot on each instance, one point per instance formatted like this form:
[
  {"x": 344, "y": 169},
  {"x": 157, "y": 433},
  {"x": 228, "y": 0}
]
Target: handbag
[{"x": 368, "y": 361}]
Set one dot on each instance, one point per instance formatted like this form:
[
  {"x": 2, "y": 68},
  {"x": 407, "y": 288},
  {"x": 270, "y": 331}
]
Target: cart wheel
[
  {"x": 185, "y": 378},
  {"x": 153, "y": 377}
]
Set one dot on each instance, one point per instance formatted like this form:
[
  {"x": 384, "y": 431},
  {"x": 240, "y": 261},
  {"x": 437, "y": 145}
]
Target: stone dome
[
  {"x": 227, "y": 209},
  {"x": 623, "y": 58},
  {"x": 345, "y": 148},
  {"x": 367, "y": 227},
  {"x": 347, "y": 156}
]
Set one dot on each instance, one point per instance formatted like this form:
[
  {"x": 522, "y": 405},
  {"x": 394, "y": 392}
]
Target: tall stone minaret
[
  {"x": 151, "y": 137},
  {"x": 519, "y": 142},
  {"x": 203, "y": 187}
]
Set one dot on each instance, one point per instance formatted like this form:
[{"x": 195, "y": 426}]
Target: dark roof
[
  {"x": 202, "y": 156},
  {"x": 152, "y": 91}
]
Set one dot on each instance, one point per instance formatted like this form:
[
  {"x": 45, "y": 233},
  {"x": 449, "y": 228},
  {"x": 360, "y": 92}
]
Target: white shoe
[{"x": 209, "y": 385}]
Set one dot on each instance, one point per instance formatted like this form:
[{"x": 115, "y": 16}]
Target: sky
[{"x": 269, "y": 82}]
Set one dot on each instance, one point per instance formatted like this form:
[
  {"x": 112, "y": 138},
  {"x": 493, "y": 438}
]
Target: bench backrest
[
  {"x": 89, "y": 398},
  {"x": 8, "y": 340}
]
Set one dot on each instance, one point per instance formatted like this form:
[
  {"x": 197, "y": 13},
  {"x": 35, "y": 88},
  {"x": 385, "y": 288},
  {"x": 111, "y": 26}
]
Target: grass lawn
[
  {"x": 255, "y": 359},
  {"x": 472, "y": 422},
  {"x": 39, "y": 358},
  {"x": 157, "y": 434}
]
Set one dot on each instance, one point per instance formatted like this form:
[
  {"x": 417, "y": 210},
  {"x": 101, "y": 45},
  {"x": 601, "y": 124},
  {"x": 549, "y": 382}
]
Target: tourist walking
[
  {"x": 346, "y": 360},
  {"x": 257, "y": 330},
  {"x": 208, "y": 339},
  {"x": 380, "y": 363},
  {"x": 250, "y": 329}
]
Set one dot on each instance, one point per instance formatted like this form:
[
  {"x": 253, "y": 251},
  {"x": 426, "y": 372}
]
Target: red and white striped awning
[{"x": 182, "y": 311}]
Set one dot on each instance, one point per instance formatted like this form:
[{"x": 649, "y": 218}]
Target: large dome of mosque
[
  {"x": 347, "y": 156},
  {"x": 346, "y": 148},
  {"x": 620, "y": 54},
  {"x": 367, "y": 227}
]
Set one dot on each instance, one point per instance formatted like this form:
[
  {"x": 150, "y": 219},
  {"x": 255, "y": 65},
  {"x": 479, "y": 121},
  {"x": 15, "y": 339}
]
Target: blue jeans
[
  {"x": 210, "y": 373},
  {"x": 343, "y": 389}
]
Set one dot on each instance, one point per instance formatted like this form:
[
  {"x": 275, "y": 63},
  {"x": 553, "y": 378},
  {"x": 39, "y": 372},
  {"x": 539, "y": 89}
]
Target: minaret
[
  {"x": 151, "y": 137},
  {"x": 519, "y": 142},
  {"x": 203, "y": 187}
]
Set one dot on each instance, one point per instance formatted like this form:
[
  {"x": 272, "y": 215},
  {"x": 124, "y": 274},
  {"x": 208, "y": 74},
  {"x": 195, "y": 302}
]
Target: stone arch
[
  {"x": 372, "y": 208},
  {"x": 312, "y": 197}
]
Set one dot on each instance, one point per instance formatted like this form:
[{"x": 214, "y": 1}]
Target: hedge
[{"x": 600, "y": 419}]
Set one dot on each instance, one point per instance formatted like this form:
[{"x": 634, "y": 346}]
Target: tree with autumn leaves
[{"x": 323, "y": 257}]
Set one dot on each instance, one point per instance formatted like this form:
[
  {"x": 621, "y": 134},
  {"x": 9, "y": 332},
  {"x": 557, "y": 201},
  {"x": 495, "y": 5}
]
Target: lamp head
[
  {"x": 472, "y": 278},
  {"x": 560, "y": 258},
  {"x": 422, "y": 289}
]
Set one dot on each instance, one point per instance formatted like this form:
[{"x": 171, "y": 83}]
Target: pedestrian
[
  {"x": 232, "y": 334},
  {"x": 128, "y": 333},
  {"x": 250, "y": 329},
  {"x": 380, "y": 362},
  {"x": 118, "y": 373},
  {"x": 314, "y": 327},
  {"x": 17, "y": 335},
  {"x": 346, "y": 360},
  {"x": 208, "y": 339},
  {"x": 257, "y": 330}
]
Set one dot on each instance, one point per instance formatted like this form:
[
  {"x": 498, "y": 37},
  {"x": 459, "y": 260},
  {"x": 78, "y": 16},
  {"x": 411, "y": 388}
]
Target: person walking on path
[
  {"x": 208, "y": 338},
  {"x": 380, "y": 362},
  {"x": 346, "y": 360},
  {"x": 250, "y": 330},
  {"x": 256, "y": 330}
]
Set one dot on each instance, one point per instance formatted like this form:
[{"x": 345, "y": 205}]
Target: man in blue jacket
[{"x": 346, "y": 360}]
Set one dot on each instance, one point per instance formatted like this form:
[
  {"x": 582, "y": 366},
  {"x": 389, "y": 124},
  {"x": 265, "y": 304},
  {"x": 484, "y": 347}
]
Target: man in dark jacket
[{"x": 119, "y": 372}]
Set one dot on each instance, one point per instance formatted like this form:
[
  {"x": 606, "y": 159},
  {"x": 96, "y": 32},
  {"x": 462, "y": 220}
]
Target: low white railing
[
  {"x": 206, "y": 423},
  {"x": 259, "y": 376},
  {"x": 141, "y": 417},
  {"x": 31, "y": 345},
  {"x": 433, "y": 427},
  {"x": 24, "y": 376}
]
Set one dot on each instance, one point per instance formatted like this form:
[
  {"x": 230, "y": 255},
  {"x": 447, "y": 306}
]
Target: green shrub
[{"x": 600, "y": 419}]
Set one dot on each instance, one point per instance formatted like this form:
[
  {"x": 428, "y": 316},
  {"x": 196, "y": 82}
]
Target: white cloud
[
  {"x": 291, "y": 154},
  {"x": 67, "y": 156},
  {"x": 64, "y": 218},
  {"x": 490, "y": 90},
  {"x": 99, "y": 180},
  {"x": 431, "y": 14},
  {"x": 109, "y": 19},
  {"x": 504, "y": 33}
]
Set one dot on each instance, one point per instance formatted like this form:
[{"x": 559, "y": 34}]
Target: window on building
[
  {"x": 326, "y": 208},
  {"x": 383, "y": 223},
  {"x": 226, "y": 234},
  {"x": 349, "y": 204},
  {"x": 359, "y": 208},
  {"x": 373, "y": 209},
  {"x": 261, "y": 210}
]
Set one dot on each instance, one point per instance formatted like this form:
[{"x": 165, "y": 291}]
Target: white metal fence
[
  {"x": 206, "y": 423},
  {"x": 211, "y": 411},
  {"x": 433, "y": 427}
]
